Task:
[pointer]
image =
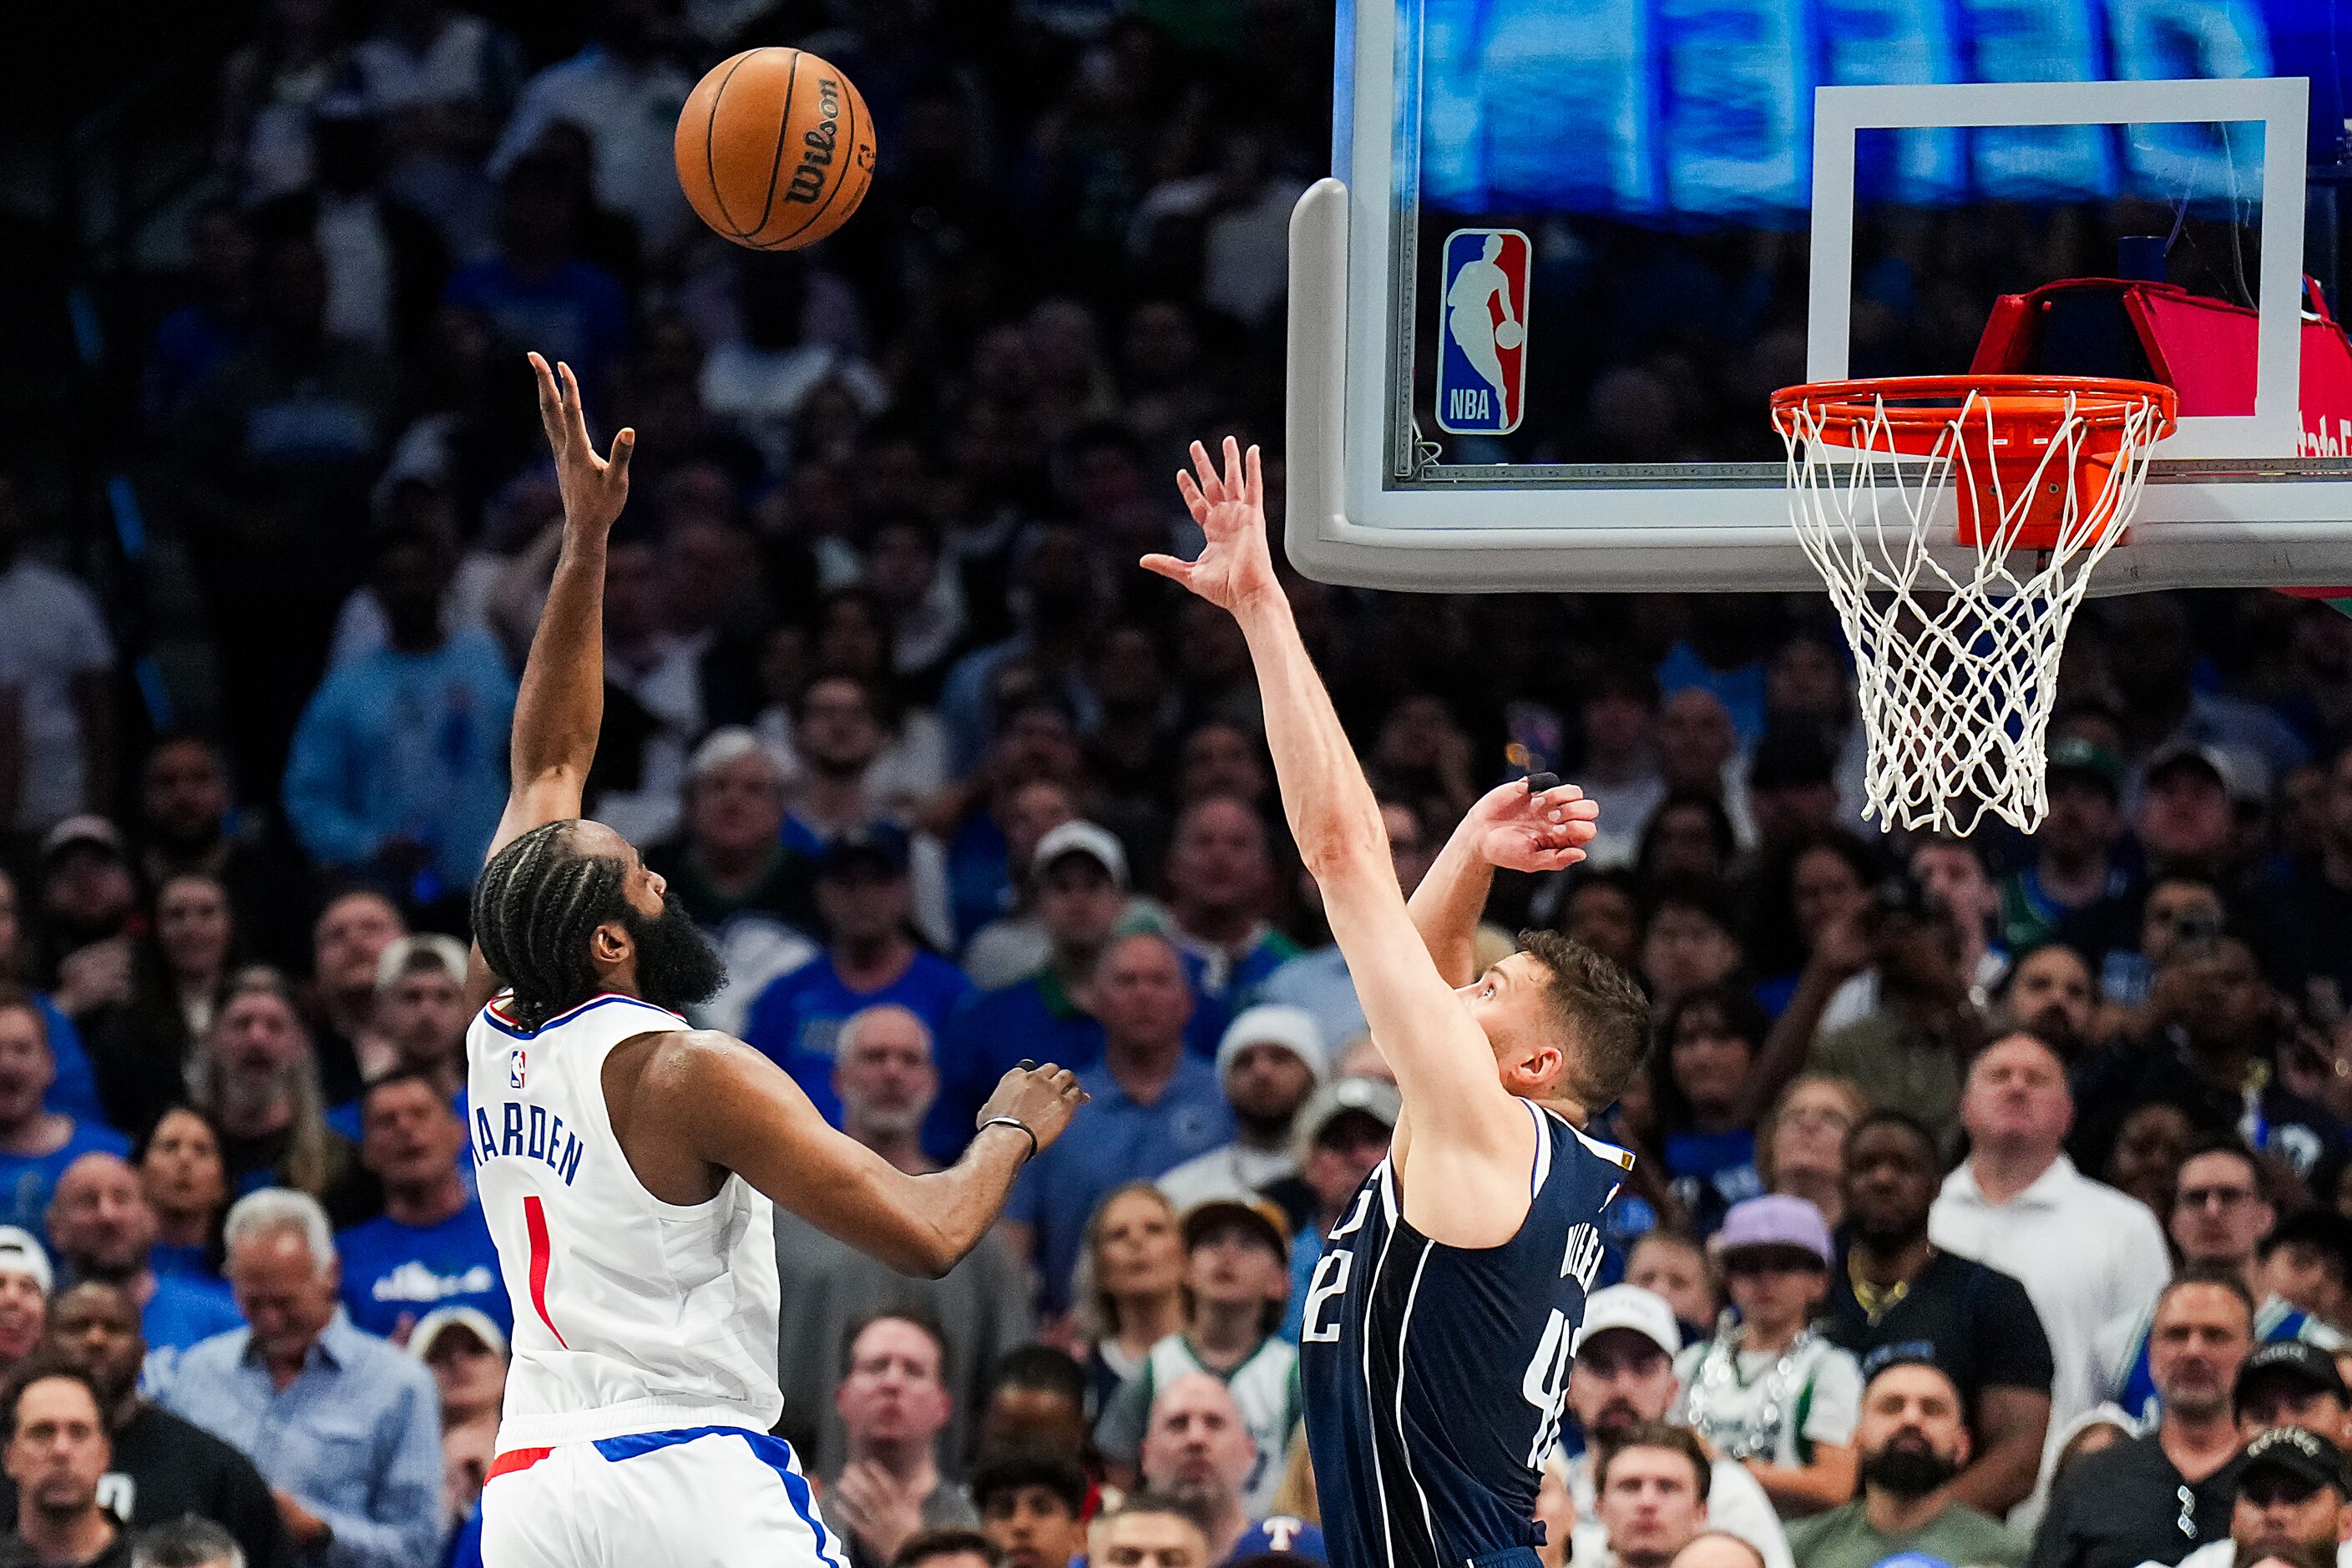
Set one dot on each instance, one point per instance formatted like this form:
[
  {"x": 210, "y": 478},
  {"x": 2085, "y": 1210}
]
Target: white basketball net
[{"x": 1956, "y": 670}]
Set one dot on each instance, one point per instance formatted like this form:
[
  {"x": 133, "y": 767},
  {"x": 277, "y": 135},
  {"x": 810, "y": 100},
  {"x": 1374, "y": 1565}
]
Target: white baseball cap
[
  {"x": 1631, "y": 1307},
  {"x": 1098, "y": 844},
  {"x": 435, "y": 1324},
  {"x": 1292, "y": 1029},
  {"x": 20, "y": 1254}
]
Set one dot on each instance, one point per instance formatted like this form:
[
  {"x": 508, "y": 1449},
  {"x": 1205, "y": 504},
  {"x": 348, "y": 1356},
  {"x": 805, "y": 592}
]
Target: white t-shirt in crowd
[
  {"x": 2085, "y": 1253},
  {"x": 50, "y": 633},
  {"x": 1824, "y": 1385}
]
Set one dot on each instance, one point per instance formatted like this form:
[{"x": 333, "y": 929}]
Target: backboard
[{"x": 1569, "y": 247}]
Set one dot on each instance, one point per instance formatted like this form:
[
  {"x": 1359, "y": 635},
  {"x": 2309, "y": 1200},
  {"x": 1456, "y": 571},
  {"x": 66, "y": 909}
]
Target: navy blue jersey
[{"x": 1434, "y": 1376}]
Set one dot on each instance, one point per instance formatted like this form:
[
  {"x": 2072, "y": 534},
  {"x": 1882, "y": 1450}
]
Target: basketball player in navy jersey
[{"x": 1443, "y": 1315}]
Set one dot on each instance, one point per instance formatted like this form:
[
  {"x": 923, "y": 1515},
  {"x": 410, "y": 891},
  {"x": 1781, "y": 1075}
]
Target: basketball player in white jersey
[{"x": 627, "y": 1161}]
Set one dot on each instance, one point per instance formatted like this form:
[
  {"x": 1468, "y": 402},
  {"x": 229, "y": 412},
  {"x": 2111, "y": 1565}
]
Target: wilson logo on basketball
[{"x": 808, "y": 180}]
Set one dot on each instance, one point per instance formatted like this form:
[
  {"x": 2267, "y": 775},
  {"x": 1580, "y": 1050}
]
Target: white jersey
[{"x": 631, "y": 1315}]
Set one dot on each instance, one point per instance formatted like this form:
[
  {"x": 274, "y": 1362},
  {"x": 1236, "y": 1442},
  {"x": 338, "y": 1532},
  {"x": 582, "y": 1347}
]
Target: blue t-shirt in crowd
[
  {"x": 1115, "y": 1140},
  {"x": 74, "y": 1091},
  {"x": 1711, "y": 1172},
  {"x": 392, "y": 1272},
  {"x": 798, "y": 1017},
  {"x": 576, "y": 314},
  {"x": 990, "y": 1031},
  {"x": 28, "y": 1180},
  {"x": 188, "y": 1262},
  {"x": 182, "y": 1311}
]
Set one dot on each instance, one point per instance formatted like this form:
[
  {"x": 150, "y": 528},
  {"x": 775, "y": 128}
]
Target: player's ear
[{"x": 609, "y": 943}]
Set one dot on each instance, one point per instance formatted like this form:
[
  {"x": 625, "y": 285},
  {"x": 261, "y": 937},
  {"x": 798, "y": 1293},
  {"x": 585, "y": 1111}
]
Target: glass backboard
[{"x": 1571, "y": 247}]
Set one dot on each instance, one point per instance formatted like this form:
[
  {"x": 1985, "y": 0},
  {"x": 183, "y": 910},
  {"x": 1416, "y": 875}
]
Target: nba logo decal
[
  {"x": 514, "y": 1068},
  {"x": 1482, "y": 331}
]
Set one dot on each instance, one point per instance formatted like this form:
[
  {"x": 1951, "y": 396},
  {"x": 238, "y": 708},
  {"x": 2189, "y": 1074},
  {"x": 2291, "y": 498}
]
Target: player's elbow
[{"x": 1336, "y": 851}]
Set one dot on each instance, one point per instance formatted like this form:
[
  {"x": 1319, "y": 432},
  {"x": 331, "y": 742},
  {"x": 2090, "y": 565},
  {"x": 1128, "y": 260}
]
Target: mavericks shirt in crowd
[
  {"x": 394, "y": 1274},
  {"x": 796, "y": 1023}
]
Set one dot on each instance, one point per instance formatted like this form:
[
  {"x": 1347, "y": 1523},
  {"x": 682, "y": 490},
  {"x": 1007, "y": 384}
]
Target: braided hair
[{"x": 535, "y": 906}]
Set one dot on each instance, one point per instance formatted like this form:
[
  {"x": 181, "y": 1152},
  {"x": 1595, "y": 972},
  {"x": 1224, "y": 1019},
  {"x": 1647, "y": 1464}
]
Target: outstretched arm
[
  {"x": 1472, "y": 1145},
  {"x": 1528, "y": 824},
  {"x": 561, "y": 704}
]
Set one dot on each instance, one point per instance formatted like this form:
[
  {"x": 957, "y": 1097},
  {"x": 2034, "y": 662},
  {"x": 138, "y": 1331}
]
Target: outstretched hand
[
  {"x": 1524, "y": 830},
  {"x": 1235, "y": 568},
  {"x": 594, "y": 489}
]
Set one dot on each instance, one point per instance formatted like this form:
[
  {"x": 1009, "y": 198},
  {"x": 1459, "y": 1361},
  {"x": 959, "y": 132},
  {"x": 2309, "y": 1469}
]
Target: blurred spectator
[
  {"x": 420, "y": 1020},
  {"x": 2050, "y": 993},
  {"x": 2290, "y": 1384},
  {"x": 399, "y": 764},
  {"x": 259, "y": 1082},
  {"x": 1688, "y": 837},
  {"x": 1197, "y": 1451},
  {"x": 837, "y": 739},
  {"x": 162, "y": 1467},
  {"x": 730, "y": 868},
  {"x": 56, "y": 668},
  {"x": 101, "y": 1230},
  {"x": 1651, "y": 1493},
  {"x": 189, "y": 824},
  {"x": 1318, "y": 980},
  {"x": 1033, "y": 1506},
  {"x": 1809, "y": 883},
  {"x": 1236, "y": 1274},
  {"x": 1699, "y": 755},
  {"x": 653, "y": 697},
  {"x": 2186, "y": 821},
  {"x": 1618, "y": 718},
  {"x": 438, "y": 79},
  {"x": 1952, "y": 877},
  {"x": 57, "y": 1455},
  {"x": 1036, "y": 1401},
  {"x": 141, "y": 1050},
  {"x": 871, "y": 959},
  {"x": 1339, "y": 1138},
  {"x": 2181, "y": 909},
  {"x": 1013, "y": 943},
  {"x": 1673, "y": 1266},
  {"x": 893, "y": 1404},
  {"x": 1133, "y": 1275},
  {"x": 1075, "y": 896},
  {"x": 347, "y": 946},
  {"x": 342, "y": 1425},
  {"x": 2209, "y": 1041},
  {"x": 384, "y": 261},
  {"x": 954, "y": 1548},
  {"x": 281, "y": 445},
  {"x": 2157, "y": 1498},
  {"x": 2150, "y": 1143},
  {"x": 1800, "y": 1143},
  {"x": 1768, "y": 1391},
  {"x": 2299, "y": 911},
  {"x": 467, "y": 1353},
  {"x": 2154, "y": 648},
  {"x": 1688, "y": 941},
  {"x": 1793, "y": 791},
  {"x": 89, "y": 903},
  {"x": 1601, "y": 912},
  {"x": 1035, "y": 742},
  {"x": 1270, "y": 1060},
  {"x": 1907, "y": 1047},
  {"x": 885, "y": 1081},
  {"x": 468, "y": 1451},
  {"x": 193, "y": 338},
  {"x": 1219, "y": 889},
  {"x": 1897, "y": 1294},
  {"x": 415, "y": 504},
  {"x": 1154, "y": 1106},
  {"x": 1622, "y": 1381},
  {"x": 2220, "y": 1217},
  {"x": 431, "y": 1247},
  {"x": 1913, "y": 1440},
  {"x": 759, "y": 380},
  {"x": 626, "y": 87},
  {"x": 186, "y": 1541},
  {"x": 2293, "y": 1488},
  {"x": 2075, "y": 883},
  {"x": 1708, "y": 1039},
  {"x": 2306, "y": 1262},
  {"x": 2085, "y": 1254},
  {"x": 1149, "y": 1531},
  {"x": 24, "y": 1285},
  {"x": 535, "y": 289},
  {"x": 186, "y": 1185},
  {"x": 35, "y": 1145},
  {"x": 76, "y": 1090}
]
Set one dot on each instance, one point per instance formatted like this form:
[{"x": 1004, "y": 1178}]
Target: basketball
[
  {"x": 774, "y": 148},
  {"x": 1510, "y": 335}
]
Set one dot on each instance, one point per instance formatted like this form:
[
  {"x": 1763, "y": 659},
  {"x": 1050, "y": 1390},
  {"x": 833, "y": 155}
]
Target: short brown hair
[
  {"x": 1658, "y": 1435},
  {"x": 1603, "y": 1011}
]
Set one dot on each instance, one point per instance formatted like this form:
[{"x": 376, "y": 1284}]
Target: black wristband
[{"x": 1015, "y": 1122}]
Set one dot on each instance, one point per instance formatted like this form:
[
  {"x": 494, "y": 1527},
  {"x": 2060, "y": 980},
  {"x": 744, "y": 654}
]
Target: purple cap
[{"x": 1779, "y": 1220}]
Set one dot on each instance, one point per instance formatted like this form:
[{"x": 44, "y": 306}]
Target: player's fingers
[
  {"x": 1211, "y": 486},
  {"x": 1256, "y": 474},
  {"x": 549, "y": 399},
  {"x": 1167, "y": 566},
  {"x": 624, "y": 446},
  {"x": 1235, "y": 486},
  {"x": 1194, "y": 501}
]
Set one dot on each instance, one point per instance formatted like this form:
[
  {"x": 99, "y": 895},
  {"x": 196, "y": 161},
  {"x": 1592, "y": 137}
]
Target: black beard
[
  {"x": 1909, "y": 1470},
  {"x": 1884, "y": 1240},
  {"x": 677, "y": 964}
]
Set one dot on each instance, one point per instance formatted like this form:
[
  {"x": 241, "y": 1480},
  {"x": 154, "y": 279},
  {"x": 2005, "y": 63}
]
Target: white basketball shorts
[{"x": 709, "y": 1496}]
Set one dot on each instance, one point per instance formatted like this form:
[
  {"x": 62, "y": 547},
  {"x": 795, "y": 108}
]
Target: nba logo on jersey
[
  {"x": 1482, "y": 331},
  {"x": 514, "y": 1068}
]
